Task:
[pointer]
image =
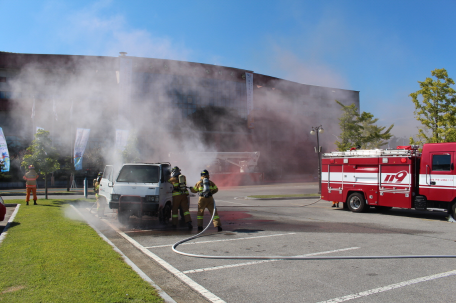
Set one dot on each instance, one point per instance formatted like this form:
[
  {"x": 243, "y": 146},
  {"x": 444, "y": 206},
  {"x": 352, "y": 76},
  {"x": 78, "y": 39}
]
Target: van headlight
[
  {"x": 115, "y": 197},
  {"x": 150, "y": 198}
]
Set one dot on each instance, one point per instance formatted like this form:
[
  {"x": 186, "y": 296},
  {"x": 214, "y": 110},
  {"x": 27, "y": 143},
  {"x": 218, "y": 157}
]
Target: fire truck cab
[{"x": 386, "y": 178}]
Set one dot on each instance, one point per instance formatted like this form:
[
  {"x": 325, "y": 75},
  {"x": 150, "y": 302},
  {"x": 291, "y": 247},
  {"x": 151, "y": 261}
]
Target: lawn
[{"x": 48, "y": 257}]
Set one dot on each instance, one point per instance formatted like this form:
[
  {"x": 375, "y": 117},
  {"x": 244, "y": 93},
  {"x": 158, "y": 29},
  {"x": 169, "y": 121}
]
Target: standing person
[
  {"x": 100, "y": 174},
  {"x": 180, "y": 194},
  {"x": 205, "y": 189},
  {"x": 30, "y": 184},
  {"x": 100, "y": 203}
]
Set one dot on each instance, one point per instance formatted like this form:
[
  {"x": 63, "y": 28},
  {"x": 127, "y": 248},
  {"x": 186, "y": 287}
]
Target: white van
[{"x": 138, "y": 189}]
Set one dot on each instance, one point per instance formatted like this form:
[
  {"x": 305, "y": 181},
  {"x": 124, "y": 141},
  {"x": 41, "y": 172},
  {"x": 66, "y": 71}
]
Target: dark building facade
[{"x": 173, "y": 106}]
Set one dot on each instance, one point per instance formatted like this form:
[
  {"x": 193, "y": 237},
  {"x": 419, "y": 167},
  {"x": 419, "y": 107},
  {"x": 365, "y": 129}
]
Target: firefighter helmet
[
  {"x": 205, "y": 173},
  {"x": 175, "y": 171},
  {"x": 31, "y": 167}
]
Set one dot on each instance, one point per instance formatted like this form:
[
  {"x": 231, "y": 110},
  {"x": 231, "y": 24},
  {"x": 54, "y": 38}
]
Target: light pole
[{"x": 315, "y": 131}]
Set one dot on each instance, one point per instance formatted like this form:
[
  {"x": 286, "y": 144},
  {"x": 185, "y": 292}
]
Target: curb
[{"x": 49, "y": 193}]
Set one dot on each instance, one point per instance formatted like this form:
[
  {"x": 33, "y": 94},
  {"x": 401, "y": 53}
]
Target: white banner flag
[
  {"x": 4, "y": 155},
  {"x": 125, "y": 74},
  {"x": 249, "y": 89},
  {"x": 82, "y": 137},
  {"x": 121, "y": 139}
]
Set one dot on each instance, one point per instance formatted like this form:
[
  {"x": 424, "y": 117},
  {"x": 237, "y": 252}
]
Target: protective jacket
[
  {"x": 198, "y": 188},
  {"x": 30, "y": 178},
  {"x": 176, "y": 189},
  {"x": 204, "y": 202}
]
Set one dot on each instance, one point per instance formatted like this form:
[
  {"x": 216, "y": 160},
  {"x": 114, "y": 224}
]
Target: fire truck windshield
[{"x": 139, "y": 174}]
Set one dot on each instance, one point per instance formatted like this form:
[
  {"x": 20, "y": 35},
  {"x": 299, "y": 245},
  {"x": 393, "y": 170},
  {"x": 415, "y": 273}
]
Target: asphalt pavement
[{"x": 294, "y": 227}]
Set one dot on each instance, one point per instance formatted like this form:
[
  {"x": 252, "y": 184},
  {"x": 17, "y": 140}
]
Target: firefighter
[
  {"x": 205, "y": 189},
  {"x": 100, "y": 202},
  {"x": 180, "y": 198},
  {"x": 100, "y": 174},
  {"x": 335, "y": 204},
  {"x": 30, "y": 178}
]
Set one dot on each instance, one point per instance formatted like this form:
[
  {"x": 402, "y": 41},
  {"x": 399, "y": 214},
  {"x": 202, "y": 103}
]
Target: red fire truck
[{"x": 386, "y": 178}]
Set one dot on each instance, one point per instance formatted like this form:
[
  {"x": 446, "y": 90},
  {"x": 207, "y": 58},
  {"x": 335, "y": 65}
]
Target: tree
[
  {"x": 42, "y": 155},
  {"x": 435, "y": 109},
  {"x": 359, "y": 130}
]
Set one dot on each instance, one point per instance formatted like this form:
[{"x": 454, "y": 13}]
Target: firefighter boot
[
  {"x": 34, "y": 202},
  {"x": 200, "y": 228},
  {"x": 189, "y": 225},
  {"x": 219, "y": 228},
  {"x": 27, "y": 202}
]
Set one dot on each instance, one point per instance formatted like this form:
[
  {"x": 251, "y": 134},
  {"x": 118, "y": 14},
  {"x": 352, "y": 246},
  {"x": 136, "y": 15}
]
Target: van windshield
[{"x": 139, "y": 174}]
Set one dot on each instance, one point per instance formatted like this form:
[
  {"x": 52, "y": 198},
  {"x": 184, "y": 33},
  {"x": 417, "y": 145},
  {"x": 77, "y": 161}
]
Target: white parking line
[
  {"x": 203, "y": 291},
  {"x": 248, "y": 238},
  {"x": 237, "y": 203},
  {"x": 390, "y": 287},
  {"x": 263, "y": 261}
]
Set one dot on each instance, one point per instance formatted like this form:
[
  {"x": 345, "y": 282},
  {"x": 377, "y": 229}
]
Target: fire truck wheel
[
  {"x": 357, "y": 203},
  {"x": 453, "y": 210}
]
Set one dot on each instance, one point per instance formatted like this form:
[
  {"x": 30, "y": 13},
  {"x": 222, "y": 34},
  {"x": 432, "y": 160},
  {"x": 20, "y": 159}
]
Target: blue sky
[{"x": 380, "y": 48}]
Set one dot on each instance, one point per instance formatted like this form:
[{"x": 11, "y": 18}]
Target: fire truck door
[
  {"x": 395, "y": 185},
  {"x": 439, "y": 177},
  {"x": 335, "y": 182}
]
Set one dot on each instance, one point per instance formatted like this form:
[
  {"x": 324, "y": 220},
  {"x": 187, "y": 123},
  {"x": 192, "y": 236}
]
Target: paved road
[{"x": 298, "y": 227}]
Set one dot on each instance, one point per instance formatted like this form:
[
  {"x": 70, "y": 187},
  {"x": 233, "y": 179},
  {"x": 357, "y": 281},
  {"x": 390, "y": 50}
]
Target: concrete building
[{"x": 173, "y": 106}]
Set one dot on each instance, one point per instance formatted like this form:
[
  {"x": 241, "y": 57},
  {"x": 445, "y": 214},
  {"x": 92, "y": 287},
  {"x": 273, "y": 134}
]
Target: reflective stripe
[
  {"x": 178, "y": 193},
  {"x": 216, "y": 217},
  {"x": 175, "y": 216},
  {"x": 186, "y": 213},
  {"x": 210, "y": 187},
  {"x": 199, "y": 217},
  {"x": 31, "y": 179}
]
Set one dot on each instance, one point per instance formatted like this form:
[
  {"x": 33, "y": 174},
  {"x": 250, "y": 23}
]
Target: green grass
[
  {"x": 284, "y": 196},
  {"x": 47, "y": 257}
]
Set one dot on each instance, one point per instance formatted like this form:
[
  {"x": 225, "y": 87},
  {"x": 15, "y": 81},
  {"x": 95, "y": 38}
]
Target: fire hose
[{"x": 295, "y": 257}]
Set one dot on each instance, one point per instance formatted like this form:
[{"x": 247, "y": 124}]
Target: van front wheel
[
  {"x": 123, "y": 216},
  {"x": 356, "y": 203}
]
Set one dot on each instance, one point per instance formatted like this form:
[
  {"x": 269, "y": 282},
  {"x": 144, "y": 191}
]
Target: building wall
[{"x": 166, "y": 96}]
